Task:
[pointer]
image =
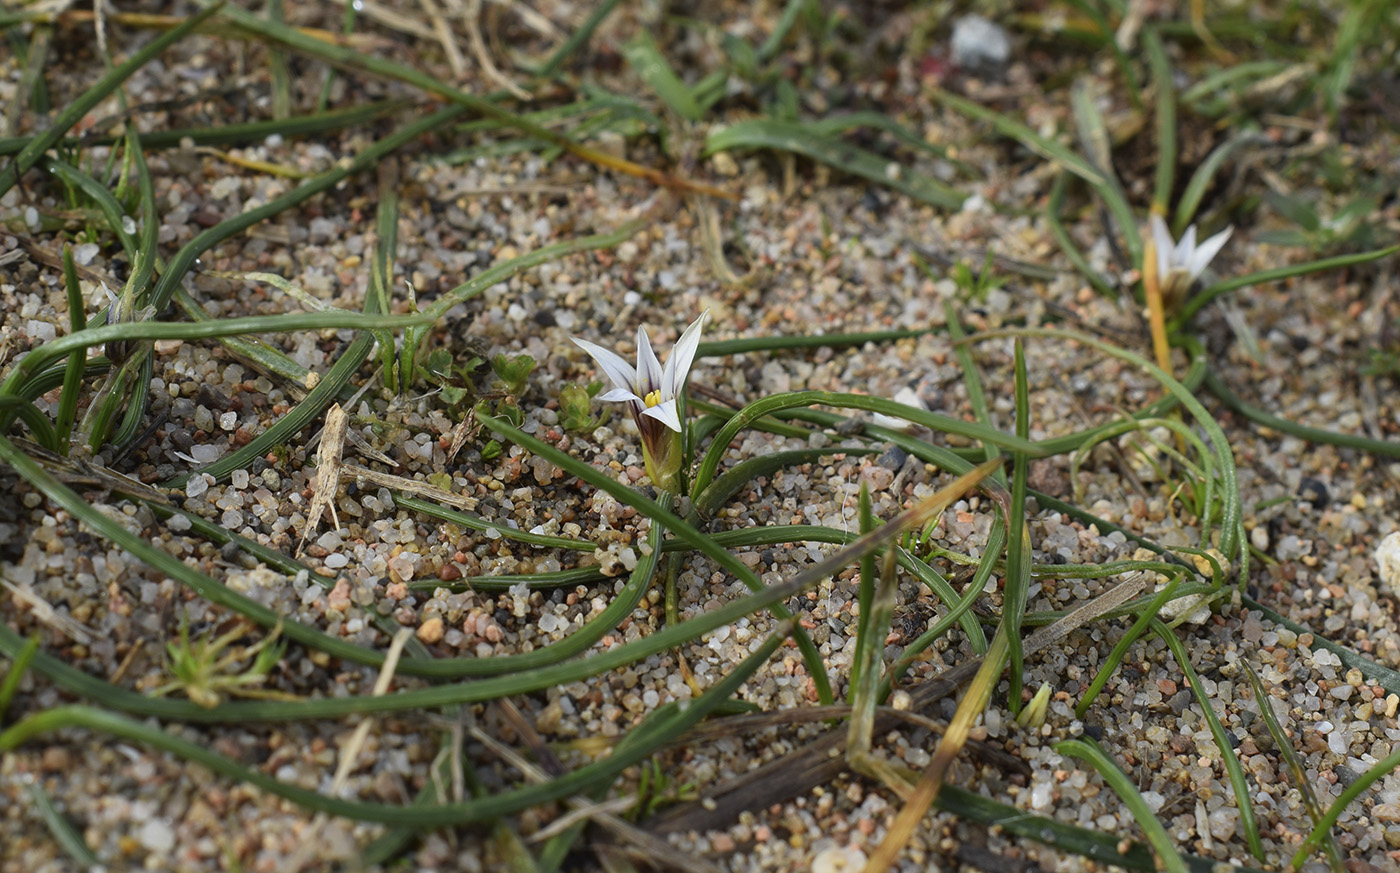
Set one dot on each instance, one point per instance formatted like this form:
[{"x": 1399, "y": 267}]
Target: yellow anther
[{"x": 653, "y": 398}]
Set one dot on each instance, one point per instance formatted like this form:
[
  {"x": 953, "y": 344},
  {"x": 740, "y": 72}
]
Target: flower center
[{"x": 653, "y": 398}]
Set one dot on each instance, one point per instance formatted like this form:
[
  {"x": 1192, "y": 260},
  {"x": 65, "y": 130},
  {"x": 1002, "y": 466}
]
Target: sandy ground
[{"x": 799, "y": 251}]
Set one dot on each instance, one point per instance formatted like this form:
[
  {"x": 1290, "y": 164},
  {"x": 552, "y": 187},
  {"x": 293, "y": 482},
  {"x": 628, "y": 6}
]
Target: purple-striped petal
[
  {"x": 682, "y": 356},
  {"x": 648, "y": 367},
  {"x": 1201, "y": 258},
  {"x": 666, "y": 414},
  {"x": 618, "y": 371}
]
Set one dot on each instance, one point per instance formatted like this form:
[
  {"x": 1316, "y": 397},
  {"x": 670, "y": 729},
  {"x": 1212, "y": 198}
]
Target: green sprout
[
  {"x": 455, "y": 381},
  {"x": 655, "y": 790},
  {"x": 976, "y": 287},
  {"x": 513, "y": 372},
  {"x": 208, "y": 667},
  {"x": 576, "y": 407}
]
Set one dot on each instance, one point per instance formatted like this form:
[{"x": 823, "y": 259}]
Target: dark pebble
[
  {"x": 211, "y": 397},
  {"x": 1345, "y": 775},
  {"x": 1313, "y": 491},
  {"x": 545, "y": 318},
  {"x": 892, "y": 458},
  {"x": 1093, "y": 731},
  {"x": 1180, "y": 701}
]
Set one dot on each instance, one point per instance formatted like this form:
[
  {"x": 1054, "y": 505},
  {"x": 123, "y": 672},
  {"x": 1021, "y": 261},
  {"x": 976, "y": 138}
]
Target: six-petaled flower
[{"x": 652, "y": 393}]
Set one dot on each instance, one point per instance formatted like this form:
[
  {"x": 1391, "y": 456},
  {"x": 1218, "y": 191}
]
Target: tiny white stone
[
  {"x": 1040, "y": 795},
  {"x": 978, "y": 42},
  {"x": 83, "y": 254},
  {"x": 204, "y": 453},
  {"x": 196, "y": 486},
  {"x": 41, "y": 331},
  {"x": 157, "y": 835}
]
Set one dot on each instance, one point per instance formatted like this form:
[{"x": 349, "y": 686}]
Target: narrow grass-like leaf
[
  {"x": 484, "y": 689},
  {"x": 646, "y": 60},
  {"x": 1323, "y": 828},
  {"x": 135, "y": 409},
  {"x": 30, "y": 88},
  {"x": 1053, "y": 206},
  {"x": 972, "y": 430},
  {"x": 1342, "y": 64},
  {"x": 101, "y": 197},
  {"x": 1104, "y": 848},
  {"x": 1384, "y": 676},
  {"x": 1088, "y": 750},
  {"x": 1166, "y": 119},
  {"x": 909, "y": 562},
  {"x": 1231, "y": 77},
  {"x": 866, "y": 656},
  {"x": 585, "y": 575},
  {"x": 1095, "y": 140},
  {"x": 1043, "y": 146},
  {"x": 770, "y": 46},
  {"x": 85, "y": 102},
  {"x": 1259, "y": 416},
  {"x": 1238, "y": 783},
  {"x": 1120, "y": 59},
  {"x": 577, "y": 39},
  {"x": 77, "y": 359},
  {"x": 9, "y": 684},
  {"x": 1120, "y": 648},
  {"x": 1017, "y": 584},
  {"x": 434, "y": 510},
  {"x": 277, "y": 68},
  {"x": 38, "y": 358},
  {"x": 1297, "y": 772},
  {"x": 833, "y": 125},
  {"x": 1196, "y": 303},
  {"x": 972, "y": 379},
  {"x": 235, "y": 134},
  {"x": 38, "y": 424},
  {"x": 745, "y": 345},
  {"x": 1205, "y": 174},
  {"x": 68, "y": 837},
  {"x": 256, "y": 351},
  {"x": 800, "y": 138},
  {"x": 379, "y": 296}
]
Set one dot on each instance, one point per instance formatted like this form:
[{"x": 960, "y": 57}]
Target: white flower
[
  {"x": 651, "y": 393},
  {"x": 1179, "y": 264}
]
